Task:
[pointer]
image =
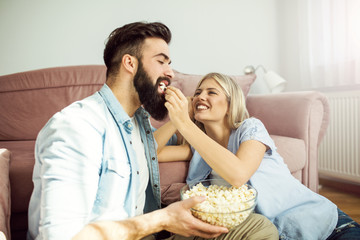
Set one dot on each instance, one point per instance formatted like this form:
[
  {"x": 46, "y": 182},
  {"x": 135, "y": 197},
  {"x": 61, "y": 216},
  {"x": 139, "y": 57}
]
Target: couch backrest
[{"x": 29, "y": 99}]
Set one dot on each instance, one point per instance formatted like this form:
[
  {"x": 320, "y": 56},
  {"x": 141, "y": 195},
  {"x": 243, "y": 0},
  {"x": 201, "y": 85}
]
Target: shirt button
[
  {"x": 147, "y": 132},
  {"x": 155, "y": 185},
  {"x": 137, "y": 172},
  {"x": 135, "y": 207},
  {"x": 153, "y": 158},
  {"x": 130, "y": 142}
]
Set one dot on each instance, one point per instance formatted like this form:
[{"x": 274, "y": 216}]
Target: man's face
[
  {"x": 152, "y": 100},
  {"x": 153, "y": 69}
]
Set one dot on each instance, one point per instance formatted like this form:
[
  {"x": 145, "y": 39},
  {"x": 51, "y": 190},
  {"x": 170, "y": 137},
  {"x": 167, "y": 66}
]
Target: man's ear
[{"x": 130, "y": 63}]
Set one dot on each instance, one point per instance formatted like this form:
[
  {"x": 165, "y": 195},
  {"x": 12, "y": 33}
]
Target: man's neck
[{"x": 126, "y": 94}]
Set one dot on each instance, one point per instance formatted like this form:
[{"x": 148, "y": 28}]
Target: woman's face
[{"x": 210, "y": 102}]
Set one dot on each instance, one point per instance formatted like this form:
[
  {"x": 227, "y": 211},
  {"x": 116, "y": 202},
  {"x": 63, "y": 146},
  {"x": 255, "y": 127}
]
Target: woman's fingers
[
  {"x": 177, "y": 92},
  {"x": 190, "y": 107},
  {"x": 177, "y": 105},
  {"x": 176, "y": 98}
]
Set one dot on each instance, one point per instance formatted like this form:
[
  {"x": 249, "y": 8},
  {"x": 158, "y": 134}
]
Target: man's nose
[{"x": 170, "y": 73}]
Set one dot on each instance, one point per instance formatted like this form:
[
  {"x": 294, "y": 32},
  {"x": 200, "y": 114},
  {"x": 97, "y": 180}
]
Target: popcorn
[
  {"x": 224, "y": 206},
  {"x": 162, "y": 86}
]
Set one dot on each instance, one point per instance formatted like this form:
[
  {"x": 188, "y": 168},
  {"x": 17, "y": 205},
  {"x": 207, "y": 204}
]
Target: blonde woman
[{"x": 223, "y": 141}]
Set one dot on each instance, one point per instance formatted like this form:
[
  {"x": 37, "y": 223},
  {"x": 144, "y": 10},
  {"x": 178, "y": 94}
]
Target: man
[{"x": 96, "y": 173}]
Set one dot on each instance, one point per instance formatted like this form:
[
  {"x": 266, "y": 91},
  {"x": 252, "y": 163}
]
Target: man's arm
[
  {"x": 68, "y": 156},
  {"x": 175, "y": 218}
]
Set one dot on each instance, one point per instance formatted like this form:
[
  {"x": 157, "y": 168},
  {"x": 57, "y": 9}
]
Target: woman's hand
[{"x": 178, "y": 106}]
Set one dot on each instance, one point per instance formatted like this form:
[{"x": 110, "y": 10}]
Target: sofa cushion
[
  {"x": 173, "y": 172},
  {"x": 293, "y": 152},
  {"x": 5, "y": 203},
  {"x": 21, "y": 168},
  {"x": 20, "y": 174},
  {"x": 172, "y": 179},
  {"x": 171, "y": 193}
]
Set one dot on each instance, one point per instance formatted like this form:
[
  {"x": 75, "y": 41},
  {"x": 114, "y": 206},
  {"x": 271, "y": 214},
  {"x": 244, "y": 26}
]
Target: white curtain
[{"x": 329, "y": 41}]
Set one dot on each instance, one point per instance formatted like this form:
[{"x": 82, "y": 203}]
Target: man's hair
[
  {"x": 235, "y": 97},
  {"x": 129, "y": 39}
]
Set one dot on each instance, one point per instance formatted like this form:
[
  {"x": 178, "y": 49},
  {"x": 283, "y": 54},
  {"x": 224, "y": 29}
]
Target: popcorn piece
[
  {"x": 162, "y": 86},
  {"x": 224, "y": 206}
]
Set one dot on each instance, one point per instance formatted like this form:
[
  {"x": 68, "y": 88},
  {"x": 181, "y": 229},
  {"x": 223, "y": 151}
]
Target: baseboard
[{"x": 341, "y": 185}]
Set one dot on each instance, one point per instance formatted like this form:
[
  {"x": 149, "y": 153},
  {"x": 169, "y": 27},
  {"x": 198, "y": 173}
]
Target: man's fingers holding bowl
[
  {"x": 201, "y": 228},
  {"x": 207, "y": 230},
  {"x": 191, "y": 202}
]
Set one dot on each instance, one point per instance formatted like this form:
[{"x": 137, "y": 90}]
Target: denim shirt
[
  {"x": 296, "y": 211},
  {"x": 86, "y": 169}
]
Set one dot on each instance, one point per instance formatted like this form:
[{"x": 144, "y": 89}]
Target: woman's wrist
[{"x": 187, "y": 127}]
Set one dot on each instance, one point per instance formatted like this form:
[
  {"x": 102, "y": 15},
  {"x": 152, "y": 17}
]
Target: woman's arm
[
  {"x": 234, "y": 168},
  {"x": 181, "y": 152},
  {"x": 165, "y": 153},
  {"x": 163, "y": 134},
  {"x": 175, "y": 218},
  {"x": 175, "y": 153}
]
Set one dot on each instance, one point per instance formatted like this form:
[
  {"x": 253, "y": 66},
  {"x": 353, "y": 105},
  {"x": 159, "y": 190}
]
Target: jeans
[{"x": 346, "y": 228}]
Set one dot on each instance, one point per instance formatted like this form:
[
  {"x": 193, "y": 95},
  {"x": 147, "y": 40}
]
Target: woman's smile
[{"x": 210, "y": 101}]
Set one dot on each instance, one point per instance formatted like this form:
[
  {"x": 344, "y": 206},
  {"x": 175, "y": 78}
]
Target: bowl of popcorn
[{"x": 225, "y": 205}]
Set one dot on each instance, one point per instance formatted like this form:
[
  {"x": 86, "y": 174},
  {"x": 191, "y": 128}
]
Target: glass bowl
[{"x": 225, "y": 205}]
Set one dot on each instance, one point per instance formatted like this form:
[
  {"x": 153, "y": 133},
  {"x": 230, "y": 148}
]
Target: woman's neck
[{"x": 219, "y": 133}]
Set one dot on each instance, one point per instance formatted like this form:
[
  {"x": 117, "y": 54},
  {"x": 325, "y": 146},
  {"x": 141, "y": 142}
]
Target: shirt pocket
[{"x": 119, "y": 167}]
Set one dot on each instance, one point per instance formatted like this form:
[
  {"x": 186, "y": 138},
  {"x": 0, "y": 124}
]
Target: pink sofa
[{"x": 296, "y": 120}]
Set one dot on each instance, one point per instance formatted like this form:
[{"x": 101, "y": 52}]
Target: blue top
[
  {"x": 86, "y": 169},
  {"x": 297, "y": 212}
]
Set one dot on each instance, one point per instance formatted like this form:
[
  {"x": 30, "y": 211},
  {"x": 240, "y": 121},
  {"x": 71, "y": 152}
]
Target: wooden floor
[{"x": 347, "y": 200}]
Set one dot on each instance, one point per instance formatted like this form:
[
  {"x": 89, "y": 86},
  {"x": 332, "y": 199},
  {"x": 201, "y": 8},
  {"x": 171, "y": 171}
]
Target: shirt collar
[{"x": 117, "y": 111}]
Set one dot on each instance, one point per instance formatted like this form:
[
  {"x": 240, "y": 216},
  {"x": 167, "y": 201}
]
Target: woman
[{"x": 225, "y": 142}]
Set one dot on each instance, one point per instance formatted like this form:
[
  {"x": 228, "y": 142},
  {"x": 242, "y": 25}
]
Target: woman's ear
[{"x": 130, "y": 63}]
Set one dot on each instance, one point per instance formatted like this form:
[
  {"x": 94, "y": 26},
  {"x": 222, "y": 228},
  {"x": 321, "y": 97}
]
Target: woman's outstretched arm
[
  {"x": 165, "y": 153},
  {"x": 234, "y": 168}
]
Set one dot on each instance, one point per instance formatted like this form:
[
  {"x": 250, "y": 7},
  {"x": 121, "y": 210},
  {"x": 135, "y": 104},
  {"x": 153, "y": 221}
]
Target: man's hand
[
  {"x": 175, "y": 218},
  {"x": 179, "y": 220}
]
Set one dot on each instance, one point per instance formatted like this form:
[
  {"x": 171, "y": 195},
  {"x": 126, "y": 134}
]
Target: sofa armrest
[
  {"x": 289, "y": 114},
  {"x": 5, "y": 203},
  {"x": 301, "y": 115}
]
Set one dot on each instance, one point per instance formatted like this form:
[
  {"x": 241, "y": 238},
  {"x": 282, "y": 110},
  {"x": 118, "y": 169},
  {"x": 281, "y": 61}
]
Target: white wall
[{"x": 208, "y": 35}]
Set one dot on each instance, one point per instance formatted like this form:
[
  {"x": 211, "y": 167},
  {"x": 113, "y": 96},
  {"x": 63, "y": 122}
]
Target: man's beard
[{"x": 152, "y": 101}]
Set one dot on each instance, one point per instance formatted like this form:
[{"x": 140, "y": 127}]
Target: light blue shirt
[
  {"x": 296, "y": 211},
  {"x": 86, "y": 169}
]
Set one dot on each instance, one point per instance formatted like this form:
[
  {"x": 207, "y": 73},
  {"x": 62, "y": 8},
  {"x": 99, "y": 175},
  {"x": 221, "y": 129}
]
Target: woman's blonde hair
[{"x": 235, "y": 96}]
